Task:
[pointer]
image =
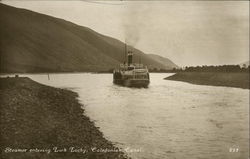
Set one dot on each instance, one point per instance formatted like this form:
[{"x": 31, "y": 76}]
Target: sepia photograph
[{"x": 124, "y": 79}]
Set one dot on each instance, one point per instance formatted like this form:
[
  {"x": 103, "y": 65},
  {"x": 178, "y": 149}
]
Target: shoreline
[
  {"x": 39, "y": 121},
  {"x": 226, "y": 79},
  {"x": 46, "y": 73}
]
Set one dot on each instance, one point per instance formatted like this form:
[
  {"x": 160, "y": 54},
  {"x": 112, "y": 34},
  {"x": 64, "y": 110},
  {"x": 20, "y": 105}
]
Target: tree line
[{"x": 205, "y": 68}]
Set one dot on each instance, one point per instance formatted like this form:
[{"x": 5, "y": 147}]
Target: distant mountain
[
  {"x": 165, "y": 61},
  {"x": 34, "y": 42}
]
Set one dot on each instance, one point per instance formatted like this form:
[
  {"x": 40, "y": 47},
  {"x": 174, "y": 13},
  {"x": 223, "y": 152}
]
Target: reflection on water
[{"x": 169, "y": 119}]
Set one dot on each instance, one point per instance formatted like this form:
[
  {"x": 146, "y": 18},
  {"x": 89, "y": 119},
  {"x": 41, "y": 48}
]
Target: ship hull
[{"x": 132, "y": 82}]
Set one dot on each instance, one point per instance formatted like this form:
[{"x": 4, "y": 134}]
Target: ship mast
[
  {"x": 130, "y": 57},
  {"x": 125, "y": 53}
]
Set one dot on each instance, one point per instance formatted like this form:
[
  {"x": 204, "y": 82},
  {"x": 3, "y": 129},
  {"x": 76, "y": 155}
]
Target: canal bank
[
  {"x": 167, "y": 120},
  {"x": 228, "y": 79},
  {"x": 39, "y": 121}
]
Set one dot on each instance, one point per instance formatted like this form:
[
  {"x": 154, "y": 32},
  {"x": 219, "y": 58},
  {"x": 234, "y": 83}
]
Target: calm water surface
[{"x": 168, "y": 120}]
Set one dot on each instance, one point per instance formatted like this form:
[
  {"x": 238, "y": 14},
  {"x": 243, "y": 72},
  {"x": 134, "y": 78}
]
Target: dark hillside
[{"x": 33, "y": 42}]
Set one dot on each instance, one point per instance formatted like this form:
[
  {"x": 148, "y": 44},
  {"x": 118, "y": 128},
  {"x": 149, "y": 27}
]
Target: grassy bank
[
  {"x": 231, "y": 79},
  {"x": 40, "y": 121}
]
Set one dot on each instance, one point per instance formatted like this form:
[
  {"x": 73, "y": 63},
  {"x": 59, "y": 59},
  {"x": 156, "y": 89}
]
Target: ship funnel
[{"x": 130, "y": 57}]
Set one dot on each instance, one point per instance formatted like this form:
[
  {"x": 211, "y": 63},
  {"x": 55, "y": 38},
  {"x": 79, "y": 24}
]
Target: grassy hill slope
[
  {"x": 33, "y": 42},
  {"x": 163, "y": 60}
]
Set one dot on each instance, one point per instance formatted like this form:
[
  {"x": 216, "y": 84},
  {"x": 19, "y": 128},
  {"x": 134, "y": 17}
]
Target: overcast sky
[{"x": 187, "y": 32}]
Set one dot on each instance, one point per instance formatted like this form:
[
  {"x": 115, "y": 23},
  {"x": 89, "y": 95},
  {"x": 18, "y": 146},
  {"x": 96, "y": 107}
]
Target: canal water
[{"x": 170, "y": 119}]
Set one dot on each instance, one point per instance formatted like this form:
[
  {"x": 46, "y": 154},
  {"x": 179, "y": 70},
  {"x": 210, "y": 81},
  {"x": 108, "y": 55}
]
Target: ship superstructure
[{"x": 131, "y": 74}]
